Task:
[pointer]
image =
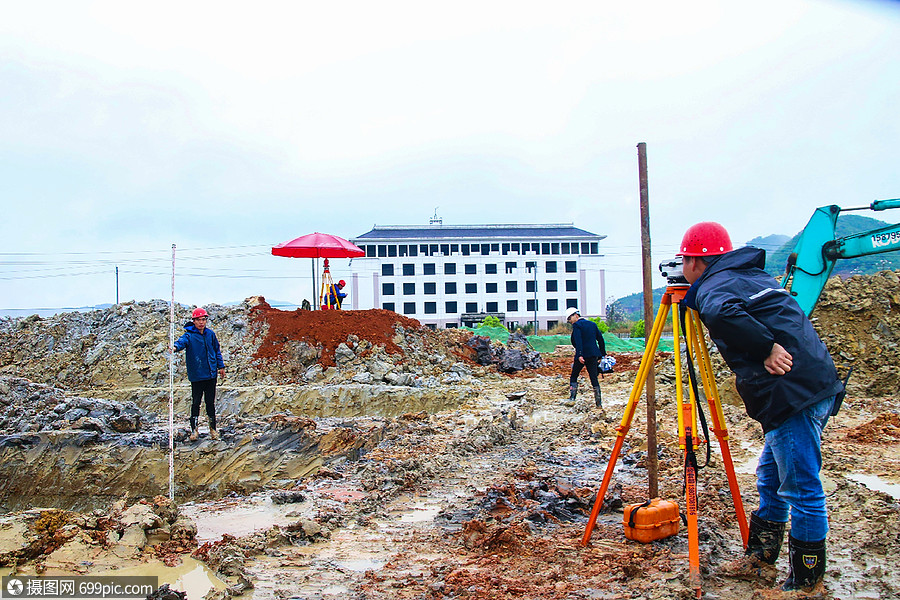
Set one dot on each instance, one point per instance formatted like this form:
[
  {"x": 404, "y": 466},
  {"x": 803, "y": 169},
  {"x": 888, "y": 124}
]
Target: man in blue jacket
[
  {"x": 788, "y": 383},
  {"x": 589, "y": 348},
  {"x": 204, "y": 360}
]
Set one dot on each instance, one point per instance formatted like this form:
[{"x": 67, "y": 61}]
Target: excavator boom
[{"x": 813, "y": 258}]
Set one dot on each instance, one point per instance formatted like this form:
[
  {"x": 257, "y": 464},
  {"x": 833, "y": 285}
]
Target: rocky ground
[{"x": 386, "y": 463}]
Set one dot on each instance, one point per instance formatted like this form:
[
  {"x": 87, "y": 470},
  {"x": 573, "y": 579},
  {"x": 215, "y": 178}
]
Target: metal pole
[
  {"x": 172, "y": 385},
  {"x": 117, "y": 284},
  {"x": 652, "y": 462},
  {"x": 535, "y": 300}
]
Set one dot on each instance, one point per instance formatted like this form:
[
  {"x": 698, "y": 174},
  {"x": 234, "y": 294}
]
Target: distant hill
[{"x": 778, "y": 248}]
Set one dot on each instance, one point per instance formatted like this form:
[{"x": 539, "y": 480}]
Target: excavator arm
[{"x": 813, "y": 258}]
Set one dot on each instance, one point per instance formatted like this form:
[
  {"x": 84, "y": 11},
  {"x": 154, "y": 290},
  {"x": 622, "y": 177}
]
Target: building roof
[{"x": 565, "y": 231}]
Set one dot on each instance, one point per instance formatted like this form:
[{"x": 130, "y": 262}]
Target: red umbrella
[{"x": 318, "y": 245}]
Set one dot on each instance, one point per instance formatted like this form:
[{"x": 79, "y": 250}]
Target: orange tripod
[
  {"x": 327, "y": 300},
  {"x": 688, "y": 435}
]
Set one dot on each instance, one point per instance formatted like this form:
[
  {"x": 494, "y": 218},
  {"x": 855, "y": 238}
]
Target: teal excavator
[{"x": 813, "y": 258}]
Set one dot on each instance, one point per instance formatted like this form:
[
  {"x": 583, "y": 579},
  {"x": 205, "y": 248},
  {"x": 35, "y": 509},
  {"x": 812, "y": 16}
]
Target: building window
[
  {"x": 565, "y": 250},
  {"x": 571, "y": 266},
  {"x": 428, "y": 269},
  {"x": 392, "y": 250},
  {"x": 449, "y": 268},
  {"x": 423, "y": 249},
  {"x": 505, "y": 249},
  {"x": 512, "y": 286},
  {"x": 490, "y": 288},
  {"x": 450, "y": 308},
  {"x": 382, "y": 251},
  {"x": 449, "y": 287},
  {"x": 513, "y": 247},
  {"x": 531, "y": 305},
  {"x": 388, "y": 306},
  {"x": 387, "y": 269},
  {"x": 552, "y": 285},
  {"x": 409, "y": 269},
  {"x": 490, "y": 269},
  {"x": 431, "y": 308},
  {"x": 429, "y": 288},
  {"x": 554, "y": 248},
  {"x": 409, "y": 308},
  {"x": 387, "y": 289},
  {"x": 552, "y": 304},
  {"x": 585, "y": 248},
  {"x": 471, "y": 288},
  {"x": 454, "y": 248},
  {"x": 510, "y": 267},
  {"x": 402, "y": 249},
  {"x": 485, "y": 249},
  {"x": 470, "y": 269},
  {"x": 550, "y": 266},
  {"x": 465, "y": 249},
  {"x": 545, "y": 248},
  {"x": 432, "y": 249},
  {"x": 495, "y": 247},
  {"x": 552, "y": 324},
  {"x": 413, "y": 250},
  {"x": 530, "y": 285},
  {"x": 491, "y": 307},
  {"x": 571, "y": 285},
  {"x": 409, "y": 289},
  {"x": 471, "y": 307},
  {"x": 571, "y": 303},
  {"x": 445, "y": 249},
  {"x": 512, "y": 305},
  {"x": 595, "y": 248},
  {"x": 370, "y": 251}
]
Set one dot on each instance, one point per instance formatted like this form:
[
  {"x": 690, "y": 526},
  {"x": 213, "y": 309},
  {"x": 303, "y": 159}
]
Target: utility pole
[{"x": 652, "y": 461}]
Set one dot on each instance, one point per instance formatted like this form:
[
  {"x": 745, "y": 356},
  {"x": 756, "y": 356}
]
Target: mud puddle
[
  {"x": 191, "y": 576},
  {"x": 241, "y": 516}
]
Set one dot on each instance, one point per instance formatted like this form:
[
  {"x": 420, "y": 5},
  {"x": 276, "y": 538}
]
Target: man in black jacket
[{"x": 788, "y": 383}]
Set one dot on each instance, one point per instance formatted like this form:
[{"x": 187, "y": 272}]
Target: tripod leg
[
  {"x": 718, "y": 417},
  {"x": 687, "y": 420},
  {"x": 625, "y": 425}
]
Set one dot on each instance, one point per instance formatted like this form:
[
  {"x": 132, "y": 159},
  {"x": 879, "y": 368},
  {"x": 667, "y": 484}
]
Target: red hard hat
[
  {"x": 199, "y": 312},
  {"x": 705, "y": 239},
  {"x": 342, "y": 283}
]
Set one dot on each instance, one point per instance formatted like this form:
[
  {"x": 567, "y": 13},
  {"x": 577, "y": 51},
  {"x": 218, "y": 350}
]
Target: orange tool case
[{"x": 651, "y": 520}]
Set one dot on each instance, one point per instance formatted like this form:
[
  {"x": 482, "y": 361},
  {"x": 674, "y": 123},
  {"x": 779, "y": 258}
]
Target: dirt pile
[
  {"x": 859, "y": 320},
  {"x": 50, "y": 540}
]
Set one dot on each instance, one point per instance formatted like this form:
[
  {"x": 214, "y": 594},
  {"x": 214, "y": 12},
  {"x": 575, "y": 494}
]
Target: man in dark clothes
[
  {"x": 589, "y": 348},
  {"x": 788, "y": 383},
  {"x": 204, "y": 361}
]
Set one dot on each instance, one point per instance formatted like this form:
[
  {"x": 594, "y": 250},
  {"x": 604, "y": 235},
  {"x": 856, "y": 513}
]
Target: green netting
[{"x": 548, "y": 343}]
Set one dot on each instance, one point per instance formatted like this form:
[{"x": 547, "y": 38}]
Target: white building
[{"x": 445, "y": 276}]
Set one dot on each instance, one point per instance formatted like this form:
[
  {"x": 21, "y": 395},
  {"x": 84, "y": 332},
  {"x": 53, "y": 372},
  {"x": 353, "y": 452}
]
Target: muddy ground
[{"x": 465, "y": 482}]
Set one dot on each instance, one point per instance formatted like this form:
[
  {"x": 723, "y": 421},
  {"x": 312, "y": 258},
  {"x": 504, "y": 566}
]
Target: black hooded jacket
[{"x": 746, "y": 312}]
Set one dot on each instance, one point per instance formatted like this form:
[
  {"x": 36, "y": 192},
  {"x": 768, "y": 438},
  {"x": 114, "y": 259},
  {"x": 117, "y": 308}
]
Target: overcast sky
[{"x": 225, "y": 128}]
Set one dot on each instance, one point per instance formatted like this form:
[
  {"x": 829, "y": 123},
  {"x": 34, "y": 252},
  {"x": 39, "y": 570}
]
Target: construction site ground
[{"x": 483, "y": 497}]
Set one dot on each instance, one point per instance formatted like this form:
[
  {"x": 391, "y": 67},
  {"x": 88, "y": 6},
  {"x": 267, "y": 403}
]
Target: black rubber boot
[
  {"x": 765, "y": 538},
  {"x": 807, "y": 564},
  {"x": 597, "y": 400},
  {"x": 573, "y": 390},
  {"x": 194, "y": 433}
]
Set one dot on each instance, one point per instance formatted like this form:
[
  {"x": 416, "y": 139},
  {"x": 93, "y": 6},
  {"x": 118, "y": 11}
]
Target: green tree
[
  {"x": 490, "y": 321},
  {"x": 637, "y": 330}
]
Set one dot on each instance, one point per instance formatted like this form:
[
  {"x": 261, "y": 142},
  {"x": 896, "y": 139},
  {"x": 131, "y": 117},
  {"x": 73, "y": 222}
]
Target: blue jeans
[{"x": 787, "y": 475}]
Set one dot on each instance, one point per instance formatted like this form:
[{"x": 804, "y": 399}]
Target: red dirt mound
[{"x": 327, "y": 329}]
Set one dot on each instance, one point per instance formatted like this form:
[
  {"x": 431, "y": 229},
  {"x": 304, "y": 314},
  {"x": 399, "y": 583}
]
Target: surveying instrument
[
  {"x": 688, "y": 410},
  {"x": 326, "y": 300}
]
